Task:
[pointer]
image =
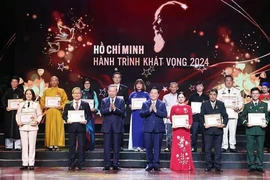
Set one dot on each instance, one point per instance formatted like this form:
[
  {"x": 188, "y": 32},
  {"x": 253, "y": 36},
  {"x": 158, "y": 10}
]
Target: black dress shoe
[
  {"x": 223, "y": 150},
  {"x": 31, "y": 167},
  {"x": 8, "y": 149},
  {"x": 81, "y": 168},
  {"x": 23, "y": 168},
  {"x": 193, "y": 150},
  {"x": 71, "y": 168},
  {"x": 218, "y": 170},
  {"x": 260, "y": 170},
  {"x": 251, "y": 170},
  {"x": 233, "y": 150},
  {"x": 207, "y": 170},
  {"x": 106, "y": 168},
  {"x": 116, "y": 168},
  {"x": 148, "y": 168},
  {"x": 157, "y": 168}
]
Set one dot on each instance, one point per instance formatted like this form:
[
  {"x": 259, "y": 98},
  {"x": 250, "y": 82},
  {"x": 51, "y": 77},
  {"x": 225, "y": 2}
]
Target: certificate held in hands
[
  {"x": 26, "y": 117},
  {"x": 52, "y": 102},
  {"x": 13, "y": 104},
  {"x": 256, "y": 119},
  {"x": 90, "y": 102},
  {"x": 76, "y": 116},
  {"x": 196, "y": 107},
  {"x": 136, "y": 103},
  {"x": 230, "y": 101},
  {"x": 179, "y": 121},
  {"x": 212, "y": 120}
]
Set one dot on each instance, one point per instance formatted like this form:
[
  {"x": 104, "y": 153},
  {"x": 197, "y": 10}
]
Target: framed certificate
[
  {"x": 90, "y": 102},
  {"x": 27, "y": 117},
  {"x": 196, "y": 107},
  {"x": 121, "y": 97},
  {"x": 52, "y": 101},
  {"x": 136, "y": 103},
  {"x": 256, "y": 119},
  {"x": 268, "y": 104},
  {"x": 13, "y": 104},
  {"x": 179, "y": 121},
  {"x": 230, "y": 101},
  {"x": 76, "y": 116},
  {"x": 212, "y": 120}
]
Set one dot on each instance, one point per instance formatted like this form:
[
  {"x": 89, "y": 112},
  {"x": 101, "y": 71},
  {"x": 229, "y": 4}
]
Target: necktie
[
  {"x": 112, "y": 100},
  {"x": 213, "y": 105},
  {"x": 28, "y": 105},
  {"x": 255, "y": 104},
  {"x": 77, "y": 106},
  {"x": 229, "y": 91}
]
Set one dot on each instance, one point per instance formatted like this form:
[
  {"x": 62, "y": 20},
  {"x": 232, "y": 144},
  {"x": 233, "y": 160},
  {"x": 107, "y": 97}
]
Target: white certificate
[
  {"x": 230, "y": 101},
  {"x": 121, "y": 97},
  {"x": 212, "y": 120},
  {"x": 196, "y": 107},
  {"x": 136, "y": 103},
  {"x": 27, "y": 117},
  {"x": 13, "y": 104},
  {"x": 256, "y": 119},
  {"x": 76, "y": 116},
  {"x": 52, "y": 101},
  {"x": 179, "y": 121},
  {"x": 90, "y": 102},
  {"x": 268, "y": 104}
]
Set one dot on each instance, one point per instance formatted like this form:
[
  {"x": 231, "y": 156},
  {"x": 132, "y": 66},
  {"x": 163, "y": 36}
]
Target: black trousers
[
  {"x": 215, "y": 141},
  {"x": 197, "y": 127},
  {"x": 81, "y": 148}
]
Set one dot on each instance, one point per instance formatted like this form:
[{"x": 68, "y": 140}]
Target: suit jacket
[
  {"x": 250, "y": 108},
  {"x": 112, "y": 120},
  {"x": 123, "y": 91},
  {"x": 154, "y": 121},
  {"x": 77, "y": 127},
  {"x": 219, "y": 108}
]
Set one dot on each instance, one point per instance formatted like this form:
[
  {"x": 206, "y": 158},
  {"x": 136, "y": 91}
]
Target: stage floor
[{"x": 125, "y": 173}]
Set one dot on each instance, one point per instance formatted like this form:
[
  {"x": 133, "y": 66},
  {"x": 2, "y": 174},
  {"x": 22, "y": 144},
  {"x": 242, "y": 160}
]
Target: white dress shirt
[
  {"x": 79, "y": 104},
  {"x": 170, "y": 100}
]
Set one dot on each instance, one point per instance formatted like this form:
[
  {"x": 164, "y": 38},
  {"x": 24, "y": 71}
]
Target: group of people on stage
[{"x": 149, "y": 121}]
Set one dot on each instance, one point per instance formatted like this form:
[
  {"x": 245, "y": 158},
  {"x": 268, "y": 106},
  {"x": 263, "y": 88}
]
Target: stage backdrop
[{"x": 157, "y": 40}]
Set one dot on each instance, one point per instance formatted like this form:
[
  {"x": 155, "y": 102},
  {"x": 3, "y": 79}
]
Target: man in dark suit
[
  {"x": 153, "y": 111},
  {"x": 112, "y": 108},
  {"x": 255, "y": 133},
  {"x": 122, "y": 92},
  {"x": 77, "y": 129},
  {"x": 213, "y": 134}
]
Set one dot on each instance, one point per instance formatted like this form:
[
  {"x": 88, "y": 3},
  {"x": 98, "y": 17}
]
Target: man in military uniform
[
  {"x": 233, "y": 103},
  {"x": 255, "y": 133}
]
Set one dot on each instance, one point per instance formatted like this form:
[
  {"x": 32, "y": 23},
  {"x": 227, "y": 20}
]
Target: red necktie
[{"x": 77, "y": 106}]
